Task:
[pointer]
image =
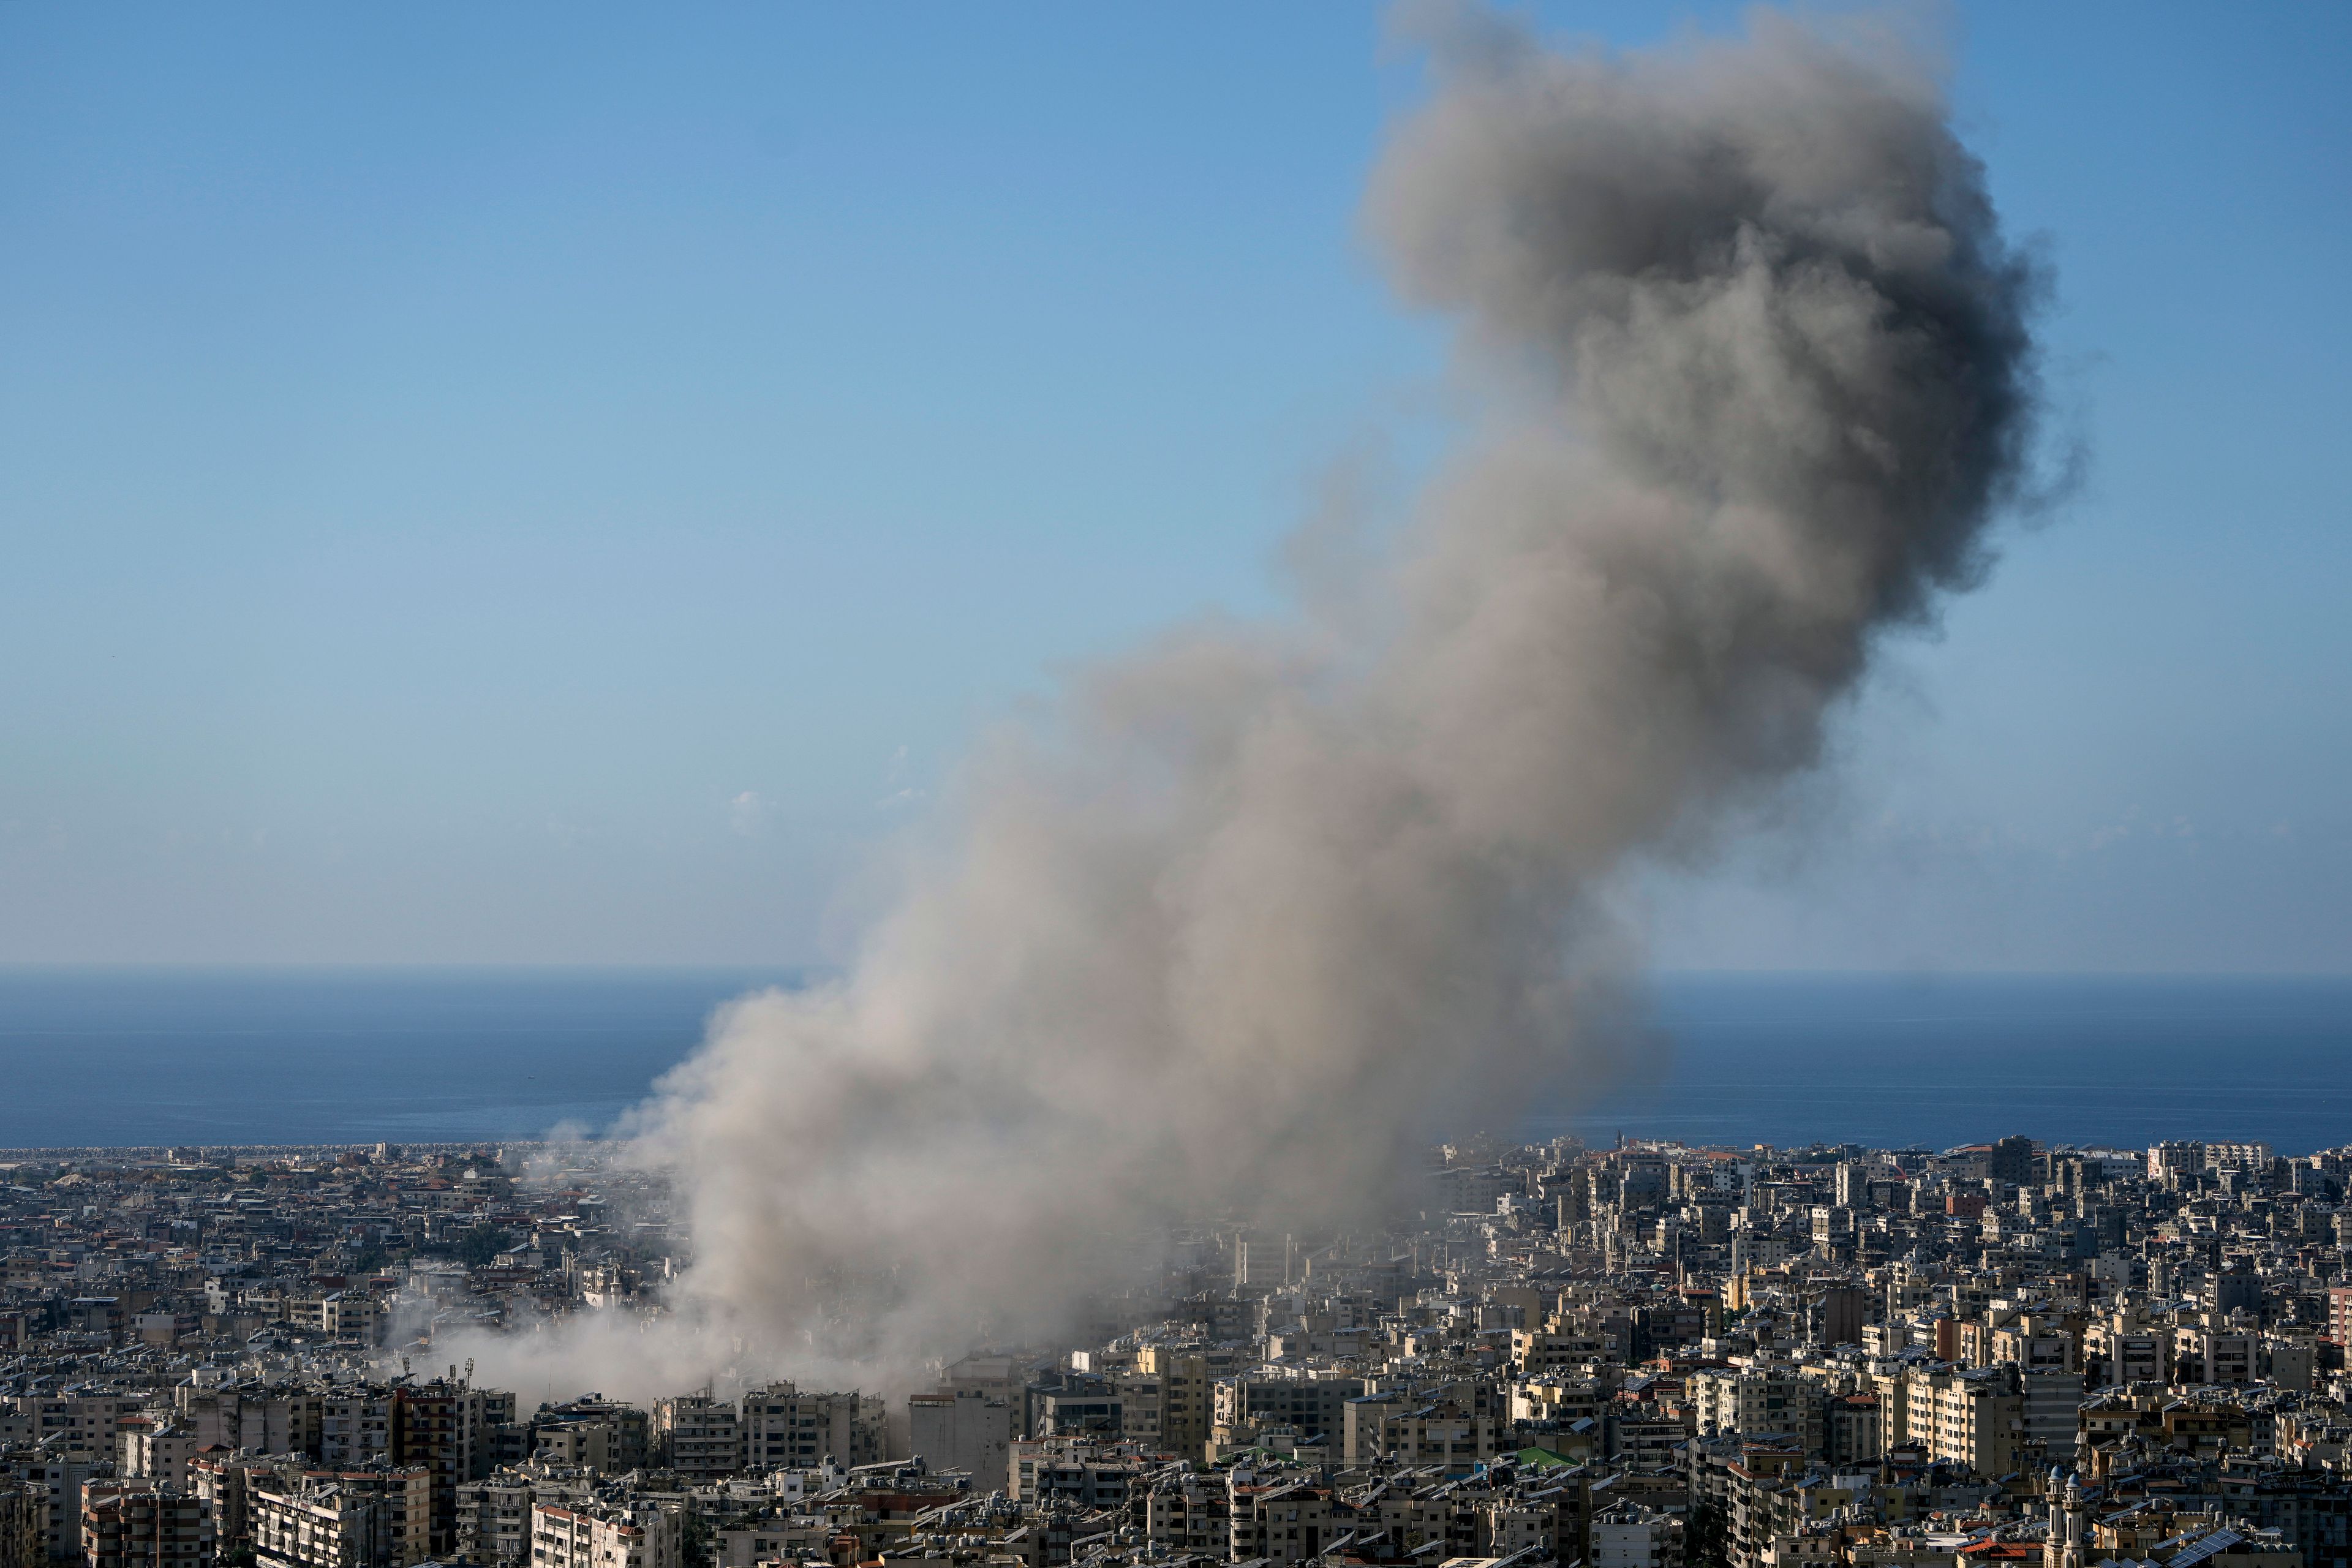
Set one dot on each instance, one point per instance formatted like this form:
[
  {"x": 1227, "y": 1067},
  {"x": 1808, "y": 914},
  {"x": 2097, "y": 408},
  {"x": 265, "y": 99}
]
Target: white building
[
  {"x": 1627, "y": 1535},
  {"x": 588, "y": 1536}
]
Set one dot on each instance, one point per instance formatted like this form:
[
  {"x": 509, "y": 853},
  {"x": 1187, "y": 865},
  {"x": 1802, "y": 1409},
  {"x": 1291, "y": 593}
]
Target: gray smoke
[{"x": 1255, "y": 911}]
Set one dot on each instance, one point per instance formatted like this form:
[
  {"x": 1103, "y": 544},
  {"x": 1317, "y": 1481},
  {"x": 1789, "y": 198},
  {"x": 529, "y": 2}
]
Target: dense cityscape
[
  {"x": 1643, "y": 1356},
  {"x": 909, "y": 697}
]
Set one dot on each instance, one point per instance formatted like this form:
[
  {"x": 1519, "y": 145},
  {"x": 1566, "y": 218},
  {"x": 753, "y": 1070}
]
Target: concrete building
[
  {"x": 593, "y": 1536},
  {"x": 1631, "y": 1535},
  {"x": 963, "y": 1430},
  {"x": 698, "y": 1436},
  {"x": 1970, "y": 1416},
  {"x": 149, "y": 1449},
  {"x": 443, "y": 1427},
  {"x": 781, "y": 1427},
  {"x": 142, "y": 1524},
  {"x": 341, "y": 1519}
]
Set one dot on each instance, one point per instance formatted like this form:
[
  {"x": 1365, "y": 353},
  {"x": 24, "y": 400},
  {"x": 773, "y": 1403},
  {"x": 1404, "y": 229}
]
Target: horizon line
[{"x": 811, "y": 969}]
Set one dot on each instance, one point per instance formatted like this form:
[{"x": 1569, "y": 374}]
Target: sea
[{"x": 247, "y": 1058}]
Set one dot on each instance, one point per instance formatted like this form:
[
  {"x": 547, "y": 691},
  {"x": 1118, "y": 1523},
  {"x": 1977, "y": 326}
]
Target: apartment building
[
  {"x": 142, "y": 1524},
  {"x": 781, "y": 1427},
  {"x": 595, "y": 1536},
  {"x": 341, "y": 1519},
  {"x": 962, "y": 1429}
]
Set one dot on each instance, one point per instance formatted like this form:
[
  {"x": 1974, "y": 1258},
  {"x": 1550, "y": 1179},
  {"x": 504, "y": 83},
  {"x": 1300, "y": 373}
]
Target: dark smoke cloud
[{"x": 1259, "y": 906}]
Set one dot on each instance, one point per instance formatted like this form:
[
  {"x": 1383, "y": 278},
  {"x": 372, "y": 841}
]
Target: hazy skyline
[{"x": 537, "y": 487}]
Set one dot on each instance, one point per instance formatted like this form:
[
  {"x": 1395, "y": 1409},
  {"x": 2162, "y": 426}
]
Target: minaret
[
  {"x": 2069, "y": 1523},
  {"x": 2053, "y": 1539}
]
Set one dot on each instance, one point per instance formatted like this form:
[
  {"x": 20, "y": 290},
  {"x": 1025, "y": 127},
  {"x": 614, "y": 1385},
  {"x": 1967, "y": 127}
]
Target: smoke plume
[{"x": 1252, "y": 911}]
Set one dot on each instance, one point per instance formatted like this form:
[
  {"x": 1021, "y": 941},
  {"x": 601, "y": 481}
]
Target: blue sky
[{"x": 552, "y": 484}]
